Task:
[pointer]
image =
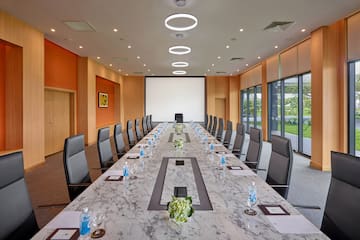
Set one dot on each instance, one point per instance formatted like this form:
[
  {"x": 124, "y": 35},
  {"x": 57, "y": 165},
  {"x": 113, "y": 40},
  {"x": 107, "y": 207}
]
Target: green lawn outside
[{"x": 357, "y": 140}]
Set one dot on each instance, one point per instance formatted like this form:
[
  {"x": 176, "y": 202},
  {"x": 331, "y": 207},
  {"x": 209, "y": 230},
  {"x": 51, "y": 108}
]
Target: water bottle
[
  {"x": 222, "y": 160},
  {"x": 142, "y": 152},
  {"x": 252, "y": 195},
  {"x": 125, "y": 170},
  {"x": 150, "y": 142},
  {"x": 84, "y": 222},
  {"x": 211, "y": 147}
]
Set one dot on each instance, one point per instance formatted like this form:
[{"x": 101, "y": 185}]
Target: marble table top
[{"x": 125, "y": 203}]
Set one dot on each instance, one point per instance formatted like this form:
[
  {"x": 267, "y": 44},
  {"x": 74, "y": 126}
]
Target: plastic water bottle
[
  {"x": 85, "y": 222},
  {"x": 222, "y": 160},
  {"x": 252, "y": 195},
  {"x": 150, "y": 142},
  {"x": 142, "y": 152},
  {"x": 211, "y": 147},
  {"x": 125, "y": 170}
]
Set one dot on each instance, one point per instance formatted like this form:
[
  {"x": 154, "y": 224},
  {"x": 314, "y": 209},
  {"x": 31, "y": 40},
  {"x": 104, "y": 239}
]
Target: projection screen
[{"x": 165, "y": 96}]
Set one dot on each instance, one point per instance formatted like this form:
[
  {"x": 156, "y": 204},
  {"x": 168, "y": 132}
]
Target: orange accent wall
[
  {"x": 60, "y": 67},
  {"x": 105, "y": 116},
  {"x": 2, "y": 97}
]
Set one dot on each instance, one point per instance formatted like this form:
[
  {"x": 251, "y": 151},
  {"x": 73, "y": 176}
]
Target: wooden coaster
[{"x": 98, "y": 233}]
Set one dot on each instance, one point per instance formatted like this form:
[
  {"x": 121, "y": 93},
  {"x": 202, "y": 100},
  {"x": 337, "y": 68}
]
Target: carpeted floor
[{"x": 47, "y": 184}]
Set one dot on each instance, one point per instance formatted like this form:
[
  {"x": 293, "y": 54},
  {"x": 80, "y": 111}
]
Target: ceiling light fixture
[
  {"x": 115, "y": 30},
  {"x": 179, "y": 72},
  {"x": 148, "y": 70},
  {"x": 180, "y": 64},
  {"x": 238, "y": 70},
  {"x": 218, "y": 57},
  {"x": 110, "y": 65},
  {"x": 276, "y": 46},
  {"x": 138, "y": 57},
  {"x": 247, "y": 64},
  {"x": 52, "y": 29},
  {"x": 258, "y": 57},
  {"x": 208, "y": 70},
  {"x": 119, "y": 70},
  {"x": 126, "y": 74},
  {"x": 181, "y": 15},
  {"x": 241, "y": 29},
  {"x": 144, "y": 65},
  {"x": 303, "y": 30},
  {"x": 129, "y": 46},
  {"x": 80, "y": 46},
  {"x": 227, "y": 46},
  {"x": 179, "y": 50}
]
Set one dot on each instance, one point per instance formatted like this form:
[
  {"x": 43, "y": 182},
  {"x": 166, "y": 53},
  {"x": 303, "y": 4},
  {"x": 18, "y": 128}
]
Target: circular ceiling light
[
  {"x": 181, "y": 15},
  {"x": 179, "y": 72},
  {"x": 179, "y": 50},
  {"x": 180, "y": 64}
]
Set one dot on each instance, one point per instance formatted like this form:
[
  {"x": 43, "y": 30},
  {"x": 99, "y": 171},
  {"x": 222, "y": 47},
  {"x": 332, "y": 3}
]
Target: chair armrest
[
  {"x": 279, "y": 186},
  {"x": 52, "y": 205},
  {"x": 79, "y": 185},
  {"x": 307, "y": 206},
  {"x": 104, "y": 168}
]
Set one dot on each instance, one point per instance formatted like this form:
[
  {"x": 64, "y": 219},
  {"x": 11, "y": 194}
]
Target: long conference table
[{"x": 136, "y": 208}]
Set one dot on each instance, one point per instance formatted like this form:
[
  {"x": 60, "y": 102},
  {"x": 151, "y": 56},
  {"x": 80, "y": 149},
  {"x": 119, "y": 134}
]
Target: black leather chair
[
  {"x": 179, "y": 117},
  {"x": 148, "y": 123},
  {"x": 151, "y": 122},
  {"x": 119, "y": 141},
  {"x": 220, "y": 129},
  {"x": 342, "y": 208},
  {"x": 280, "y": 165},
  {"x": 130, "y": 133},
  {"x": 104, "y": 149},
  {"x": 228, "y": 134},
  {"x": 254, "y": 149},
  {"x": 75, "y": 165},
  {"x": 138, "y": 132},
  {"x": 210, "y": 124},
  {"x": 144, "y": 126},
  {"x": 213, "y": 130},
  {"x": 16, "y": 212},
  {"x": 239, "y": 140},
  {"x": 206, "y": 121}
]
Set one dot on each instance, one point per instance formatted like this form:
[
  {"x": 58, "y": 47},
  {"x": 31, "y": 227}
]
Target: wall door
[{"x": 57, "y": 120}]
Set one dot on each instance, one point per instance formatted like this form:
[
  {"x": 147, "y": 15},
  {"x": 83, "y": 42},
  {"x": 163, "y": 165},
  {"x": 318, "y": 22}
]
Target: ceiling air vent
[
  {"x": 278, "y": 26},
  {"x": 79, "y": 26},
  {"x": 237, "y": 58},
  {"x": 220, "y": 72},
  {"x": 138, "y": 72}
]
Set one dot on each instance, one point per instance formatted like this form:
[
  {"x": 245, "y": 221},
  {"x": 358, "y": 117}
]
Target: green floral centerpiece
[
  {"x": 179, "y": 128},
  {"x": 179, "y": 143},
  {"x": 180, "y": 209}
]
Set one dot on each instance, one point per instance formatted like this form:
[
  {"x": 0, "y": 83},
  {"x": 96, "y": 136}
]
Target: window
[
  {"x": 251, "y": 107},
  {"x": 290, "y": 111},
  {"x": 354, "y": 108}
]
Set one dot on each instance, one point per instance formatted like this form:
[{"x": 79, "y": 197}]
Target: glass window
[
  {"x": 244, "y": 113},
  {"x": 275, "y": 108},
  {"x": 258, "y": 107},
  {"x": 306, "y": 107},
  {"x": 354, "y": 108},
  {"x": 251, "y": 111},
  {"x": 291, "y": 99}
]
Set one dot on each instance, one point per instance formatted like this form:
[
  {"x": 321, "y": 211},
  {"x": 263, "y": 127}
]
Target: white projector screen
[{"x": 166, "y": 96}]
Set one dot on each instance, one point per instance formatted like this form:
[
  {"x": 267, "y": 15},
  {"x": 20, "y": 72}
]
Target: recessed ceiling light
[
  {"x": 218, "y": 57},
  {"x": 276, "y": 46},
  {"x": 119, "y": 70},
  {"x": 179, "y": 72},
  {"x": 179, "y": 50},
  {"x": 181, "y": 15},
  {"x": 129, "y": 46},
  {"x": 258, "y": 57},
  {"x": 152, "y": 74},
  {"x": 110, "y": 65},
  {"x": 80, "y": 46},
  {"x": 230, "y": 74},
  {"x": 180, "y": 64},
  {"x": 138, "y": 57},
  {"x": 208, "y": 70},
  {"x": 213, "y": 65},
  {"x": 241, "y": 29},
  {"x": 227, "y": 46},
  {"x": 52, "y": 29},
  {"x": 303, "y": 30},
  {"x": 144, "y": 65},
  {"x": 148, "y": 70},
  {"x": 115, "y": 30},
  {"x": 204, "y": 74},
  {"x": 247, "y": 64},
  {"x": 238, "y": 70},
  {"x": 98, "y": 57}
]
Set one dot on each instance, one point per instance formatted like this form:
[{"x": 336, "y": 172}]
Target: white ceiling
[{"x": 140, "y": 23}]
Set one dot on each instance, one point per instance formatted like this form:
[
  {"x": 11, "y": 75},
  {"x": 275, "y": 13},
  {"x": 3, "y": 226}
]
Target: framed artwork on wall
[{"x": 103, "y": 100}]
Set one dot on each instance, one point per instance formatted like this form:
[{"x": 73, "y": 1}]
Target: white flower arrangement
[
  {"x": 180, "y": 209},
  {"x": 179, "y": 143}
]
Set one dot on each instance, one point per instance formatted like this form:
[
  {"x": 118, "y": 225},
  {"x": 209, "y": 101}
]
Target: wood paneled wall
[
  {"x": 133, "y": 98},
  {"x": 31, "y": 41}
]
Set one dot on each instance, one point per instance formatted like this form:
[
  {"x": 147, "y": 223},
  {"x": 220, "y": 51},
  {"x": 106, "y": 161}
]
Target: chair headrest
[
  {"x": 103, "y": 134},
  {"x": 346, "y": 168},
  {"x": 129, "y": 124},
  {"x": 229, "y": 125},
  {"x": 240, "y": 129},
  {"x": 255, "y": 135},
  {"x": 117, "y": 129},
  {"x": 281, "y": 145},
  {"x": 75, "y": 144},
  {"x": 137, "y": 122},
  {"x": 11, "y": 168}
]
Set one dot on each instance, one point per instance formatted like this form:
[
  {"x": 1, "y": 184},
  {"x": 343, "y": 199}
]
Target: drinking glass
[
  {"x": 133, "y": 171},
  {"x": 96, "y": 222}
]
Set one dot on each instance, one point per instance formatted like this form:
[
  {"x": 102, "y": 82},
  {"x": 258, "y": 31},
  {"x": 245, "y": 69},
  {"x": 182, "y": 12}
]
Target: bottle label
[{"x": 85, "y": 225}]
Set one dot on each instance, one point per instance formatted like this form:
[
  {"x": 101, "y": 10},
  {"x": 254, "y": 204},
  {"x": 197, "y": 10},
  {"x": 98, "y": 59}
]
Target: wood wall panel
[
  {"x": 304, "y": 56},
  {"x": 2, "y": 97},
  {"x": 57, "y": 120},
  {"x": 82, "y": 98},
  {"x": 289, "y": 62},
  {"x": 251, "y": 77},
  {"x": 32, "y": 42},
  {"x": 272, "y": 68},
  {"x": 353, "y": 31},
  {"x": 234, "y": 99},
  {"x": 134, "y": 99}
]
